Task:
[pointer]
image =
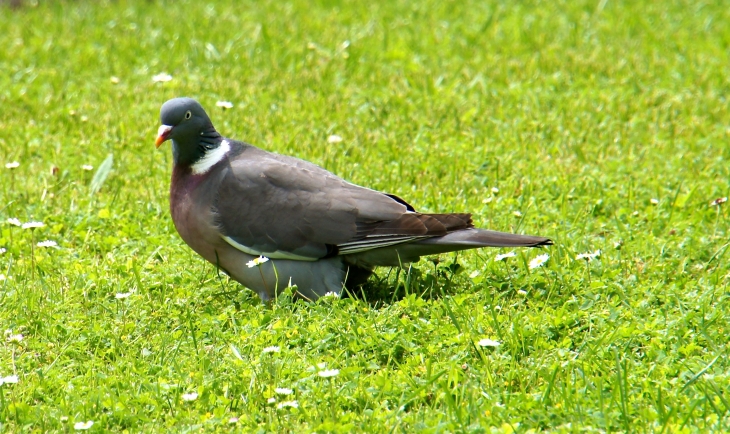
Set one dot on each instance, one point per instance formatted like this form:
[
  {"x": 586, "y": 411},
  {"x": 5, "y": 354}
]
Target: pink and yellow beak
[{"x": 163, "y": 134}]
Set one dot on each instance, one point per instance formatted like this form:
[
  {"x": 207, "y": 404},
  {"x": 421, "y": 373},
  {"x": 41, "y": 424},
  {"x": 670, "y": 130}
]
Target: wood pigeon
[{"x": 234, "y": 203}]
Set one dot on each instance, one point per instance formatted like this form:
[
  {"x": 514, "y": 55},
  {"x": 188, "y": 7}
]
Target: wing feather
[{"x": 283, "y": 207}]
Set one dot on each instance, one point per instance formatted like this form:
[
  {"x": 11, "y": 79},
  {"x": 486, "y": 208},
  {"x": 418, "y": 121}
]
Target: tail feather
[
  {"x": 473, "y": 238},
  {"x": 458, "y": 240}
]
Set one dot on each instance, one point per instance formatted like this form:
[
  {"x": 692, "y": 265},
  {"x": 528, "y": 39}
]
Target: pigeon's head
[
  {"x": 188, "y": 126},
  {"x": 183, "y": 121}
]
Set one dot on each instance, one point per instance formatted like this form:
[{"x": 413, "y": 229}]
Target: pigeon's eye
[{"x": 188, "y": 114}]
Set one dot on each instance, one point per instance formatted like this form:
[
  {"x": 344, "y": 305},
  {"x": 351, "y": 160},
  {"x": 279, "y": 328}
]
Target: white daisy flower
[
  {"x": 271, "y": 349},
  {"x": 81, "y": 426},
  {"x": 47, "y": 243},
  {"x": 495, "y": 190},
  {"x": 17, "y": 338},
  {"x": 2, "y": 277},
  {"x": 334, "y": 138},
  {"x": 329, "y": 373},
  {"x": 331, "y": 294},
  {"x": 192, "y": 396},
  {"x": 13, "y": 165},
  {"x": 33, "y": 225},
  {"x": 114, "y": 80},
  {"x": 14, "y": 222},
  {"x": 291, "y": 404},
  {"x": 283, "y": 391},
  {"x": 255, "y": 262},
  {"x": 233, "y": 420},
  {"x": 10, "y": 379},
  {"x": 122, "y": 295},
  {"x": 224, "y": 104},
  {"x": 161, "y": 78},
  {"x": 87, "y": 167},
  {"x": 504, "y": 256},
  {"x": 589, "y": 256},
  {"x": 271, "y": 400},
  {"x": 539, "y": 260},
  {"x": 2, "y": 250},
  {"x": 488, "y": 343},
  {"x": 517, "y": 214},
  {"x": 654, "y": 201}
]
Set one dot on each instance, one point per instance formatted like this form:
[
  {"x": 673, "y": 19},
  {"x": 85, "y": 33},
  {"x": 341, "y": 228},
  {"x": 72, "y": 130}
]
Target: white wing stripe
[
  {"x": 343, "y": 249},
  {"x": 271, "y": 255}
]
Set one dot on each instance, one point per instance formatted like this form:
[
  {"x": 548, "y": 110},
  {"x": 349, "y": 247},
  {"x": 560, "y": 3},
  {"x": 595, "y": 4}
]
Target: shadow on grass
[
  {"x": 432, "y": 280},
  {"x": 429, "y": 280},
  {"x": 16, "y": 4}
]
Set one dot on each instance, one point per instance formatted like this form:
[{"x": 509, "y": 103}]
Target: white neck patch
[{"x": 211, "y": 158}]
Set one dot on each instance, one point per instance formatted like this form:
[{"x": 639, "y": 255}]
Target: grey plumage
[{"x": 232, "y": 202}]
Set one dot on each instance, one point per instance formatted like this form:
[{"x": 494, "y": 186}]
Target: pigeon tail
[{"x": 472, "y": 238}]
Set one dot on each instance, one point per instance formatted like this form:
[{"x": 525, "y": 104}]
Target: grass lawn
[{"x": 601, "y": 124}]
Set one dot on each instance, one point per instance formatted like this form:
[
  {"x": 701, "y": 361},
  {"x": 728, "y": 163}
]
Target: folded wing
[{"x": 286, "y": 208}]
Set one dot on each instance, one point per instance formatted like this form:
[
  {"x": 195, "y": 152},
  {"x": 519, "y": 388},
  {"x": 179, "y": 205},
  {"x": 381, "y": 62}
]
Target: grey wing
[{"x": 286, "y": 208}]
